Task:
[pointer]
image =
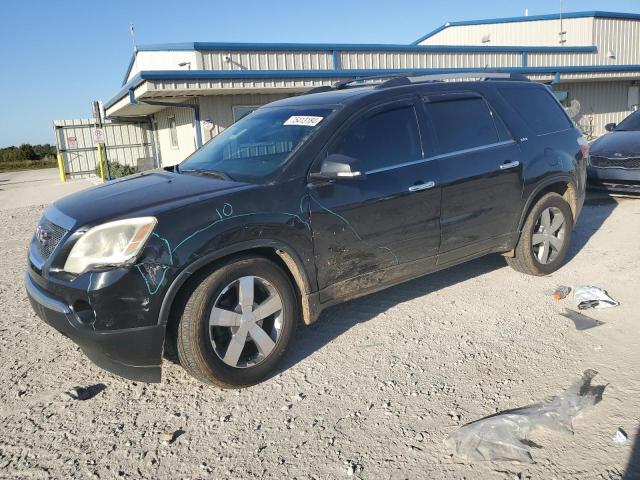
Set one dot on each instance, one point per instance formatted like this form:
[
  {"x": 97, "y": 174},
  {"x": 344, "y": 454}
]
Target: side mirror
[
  {"x": 610, "y": 127},
  {"x": 335, "y": 167}
]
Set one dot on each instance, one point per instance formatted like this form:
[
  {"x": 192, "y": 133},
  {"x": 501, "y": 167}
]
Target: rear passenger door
[
  {"x": 480, "y": 172},
  {"x": 390, "y": 215}
]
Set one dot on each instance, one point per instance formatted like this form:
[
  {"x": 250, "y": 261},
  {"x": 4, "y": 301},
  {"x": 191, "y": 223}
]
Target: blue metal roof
[
  {"x": 532, "y": 18},
  {"x": 340, "y": 74}
]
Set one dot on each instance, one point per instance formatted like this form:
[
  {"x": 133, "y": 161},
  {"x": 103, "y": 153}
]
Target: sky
[{"x": 58, "y": 56}]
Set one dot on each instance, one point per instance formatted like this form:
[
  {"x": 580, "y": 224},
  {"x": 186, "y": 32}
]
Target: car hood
[
  {"x": 627, "y": 144},
  {"x": 146, "y": 193}
]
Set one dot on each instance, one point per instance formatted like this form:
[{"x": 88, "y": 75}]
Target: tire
[
  {"x": 528, "y": 257},
  {"x": 213, "y": 354}
]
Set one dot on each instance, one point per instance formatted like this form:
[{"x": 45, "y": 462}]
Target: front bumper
[
  {"x": 622, "y": 180},
  {"x": 133, "y": 353}
]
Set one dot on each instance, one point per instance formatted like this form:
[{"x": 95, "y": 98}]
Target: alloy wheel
[
  {"x": 548, "y": 235},
  {"x": 246, "y": 321}
]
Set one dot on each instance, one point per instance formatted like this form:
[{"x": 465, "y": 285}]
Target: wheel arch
[
  {"x": 563, "y": 185},
  {"x": 276, "y": 251}
]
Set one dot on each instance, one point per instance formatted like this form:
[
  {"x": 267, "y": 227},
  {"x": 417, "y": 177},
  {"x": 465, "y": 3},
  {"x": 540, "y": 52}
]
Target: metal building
[{"x": 189, "y": 92}]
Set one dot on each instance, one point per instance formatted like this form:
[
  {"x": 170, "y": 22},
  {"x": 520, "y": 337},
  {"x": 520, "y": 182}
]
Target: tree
[{"x": 27, "y": 152}]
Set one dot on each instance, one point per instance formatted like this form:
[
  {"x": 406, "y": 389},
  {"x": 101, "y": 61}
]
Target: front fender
[{"x": 303, "y": 274}]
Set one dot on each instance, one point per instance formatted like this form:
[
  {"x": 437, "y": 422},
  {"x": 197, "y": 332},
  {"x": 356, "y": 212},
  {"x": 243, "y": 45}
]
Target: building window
[
  {"x": 240, "y": 111},
  {"x": 173, "y": 131}
]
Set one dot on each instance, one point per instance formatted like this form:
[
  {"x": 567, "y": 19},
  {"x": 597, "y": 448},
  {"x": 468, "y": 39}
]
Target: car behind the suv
[{"x": 305, "y": 203}]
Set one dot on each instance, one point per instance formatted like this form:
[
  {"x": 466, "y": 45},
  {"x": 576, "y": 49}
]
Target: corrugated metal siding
[
  {"x": 186, "y": 137},
  {"x": 359, "y": 60},
  {"x": 219, "y": 109},
  {"x": 168, "y": 87},
  {"x": 125, "y": 144},
  {"x": 622, "y": 37},
  {"x": 531, "y": 33},
  {"x": 264, "y": 60},
  {"x": 600, "y": 103}
]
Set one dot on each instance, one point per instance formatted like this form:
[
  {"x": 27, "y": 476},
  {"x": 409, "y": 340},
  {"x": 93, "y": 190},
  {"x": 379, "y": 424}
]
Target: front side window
[
  {"x": 257, "y": 145},
  {"x": 384, "y": 139},
  {"x": 461, "y": 124}
]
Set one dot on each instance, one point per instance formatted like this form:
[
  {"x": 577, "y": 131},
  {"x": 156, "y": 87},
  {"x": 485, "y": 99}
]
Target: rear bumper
[{"x": 133, "y": 353}]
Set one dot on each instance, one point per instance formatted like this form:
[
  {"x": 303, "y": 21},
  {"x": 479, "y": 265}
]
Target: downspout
[{"x": 195, "y": 108}]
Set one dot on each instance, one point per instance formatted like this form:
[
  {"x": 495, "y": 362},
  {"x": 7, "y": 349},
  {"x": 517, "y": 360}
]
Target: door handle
[
  {"x": 422, "y": 186},
  {"x": 508, "y": 165}
]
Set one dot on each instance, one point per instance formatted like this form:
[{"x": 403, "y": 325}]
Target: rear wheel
[
  {"x": 237, "y": 323},
  {"x": 545, "y": 237}
]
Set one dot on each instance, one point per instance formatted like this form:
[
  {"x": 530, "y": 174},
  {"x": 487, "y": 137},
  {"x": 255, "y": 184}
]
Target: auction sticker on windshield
[{"x": 303, "y": 120}]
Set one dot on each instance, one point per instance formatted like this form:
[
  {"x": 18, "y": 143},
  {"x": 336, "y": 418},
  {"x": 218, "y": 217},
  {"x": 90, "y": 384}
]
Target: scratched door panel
[{"x": 364, "y": 225}]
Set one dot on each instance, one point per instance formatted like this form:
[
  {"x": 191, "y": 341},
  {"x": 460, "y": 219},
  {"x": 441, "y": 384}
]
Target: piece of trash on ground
[
  {"x": 503, "y": 436},
  {"x": 621, "y": 437},
  {"x": 561, "y": 292},
  {"x": 82, "y": 393},
  {"x": 168, "y": 438},
  {"x": 581, "y": 321},
  {"x": 587, "y": 296}
]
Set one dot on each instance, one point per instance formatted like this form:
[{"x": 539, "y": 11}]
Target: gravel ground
[{"x": 370, "y": 391}]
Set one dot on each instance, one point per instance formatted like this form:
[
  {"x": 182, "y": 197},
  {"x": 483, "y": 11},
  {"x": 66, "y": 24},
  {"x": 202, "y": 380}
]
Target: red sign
[{"x": 72, "y": 139}]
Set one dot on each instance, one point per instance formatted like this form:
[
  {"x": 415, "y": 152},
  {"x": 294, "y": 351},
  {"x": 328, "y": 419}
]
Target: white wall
[
  {"x": 579, "y": 32},
  {"x": 186, "y": 135},
  {"x": 600, "y": 103},
  {"x": 164, "y": 60}
]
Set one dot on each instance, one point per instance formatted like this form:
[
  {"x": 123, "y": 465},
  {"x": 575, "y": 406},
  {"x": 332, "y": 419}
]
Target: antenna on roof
[
  {"x": 132, "y": 31},
  {"x": 562, "y": 33},
  {"x": 526, "y": 12}
]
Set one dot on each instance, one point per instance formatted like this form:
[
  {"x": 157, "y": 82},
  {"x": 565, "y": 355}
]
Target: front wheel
[
  {"x": 545, "y": 237},
  {"x": 237, "y": 323}
]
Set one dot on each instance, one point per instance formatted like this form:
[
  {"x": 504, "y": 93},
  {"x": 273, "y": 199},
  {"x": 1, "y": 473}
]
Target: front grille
[
  {"x": 604, "y": 162},
  {"x": 47, "y": 237}
]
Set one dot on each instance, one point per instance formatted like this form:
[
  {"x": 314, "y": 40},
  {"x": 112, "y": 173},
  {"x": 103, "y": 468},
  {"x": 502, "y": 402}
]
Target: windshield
[
  {"x": 258, "y": 144},
  {"x": 631, "y": 123}
]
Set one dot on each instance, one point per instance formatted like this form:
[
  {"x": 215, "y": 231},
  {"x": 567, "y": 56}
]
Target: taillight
[{"x": 584, "y": 146}]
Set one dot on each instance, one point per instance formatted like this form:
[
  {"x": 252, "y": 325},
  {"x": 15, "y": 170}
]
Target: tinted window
[
  {"x": 631, "y": 123},
  {"x": 384, "y": 139},
  {"x": 258, "y": 144},
  {"x": 462, "y": 124},
  {"x": 538, "y": 108}
]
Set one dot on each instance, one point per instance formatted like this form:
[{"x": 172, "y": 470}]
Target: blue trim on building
[
  {"x": 129, "y": 67},
  {"x": 341, "y": 74},
  {"x": 532, "y": 18},
  {"x": 355, "y": 47}
]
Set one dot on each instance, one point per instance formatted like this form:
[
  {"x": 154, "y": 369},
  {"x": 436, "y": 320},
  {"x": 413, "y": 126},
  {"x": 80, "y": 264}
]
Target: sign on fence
[{"x": 98, "y": 135}]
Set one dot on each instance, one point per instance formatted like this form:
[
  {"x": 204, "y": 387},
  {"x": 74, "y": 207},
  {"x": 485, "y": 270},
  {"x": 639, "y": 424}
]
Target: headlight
[{"x": 113, "y": 243}]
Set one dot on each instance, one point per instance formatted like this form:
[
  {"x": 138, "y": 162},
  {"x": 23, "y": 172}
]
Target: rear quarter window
[{"x": 538, "y": 109}]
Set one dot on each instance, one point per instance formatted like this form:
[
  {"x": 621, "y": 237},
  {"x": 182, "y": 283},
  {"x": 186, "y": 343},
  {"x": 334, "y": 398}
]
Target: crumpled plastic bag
[
  {"x": 503, "y": 436},
  {"x": 586, "y": 296}
]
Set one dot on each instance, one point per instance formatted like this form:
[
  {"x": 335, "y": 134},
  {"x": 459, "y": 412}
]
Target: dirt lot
[{"x": 370, "y": 391}]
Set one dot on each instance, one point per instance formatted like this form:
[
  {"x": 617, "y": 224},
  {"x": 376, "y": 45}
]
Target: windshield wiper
[{"x": 209, "y": 173}]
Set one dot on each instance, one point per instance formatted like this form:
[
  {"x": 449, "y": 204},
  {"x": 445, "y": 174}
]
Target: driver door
[{"x": 387, "y": 216}]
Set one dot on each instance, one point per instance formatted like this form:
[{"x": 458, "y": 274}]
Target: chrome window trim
[{"x": 443, "y": 155}]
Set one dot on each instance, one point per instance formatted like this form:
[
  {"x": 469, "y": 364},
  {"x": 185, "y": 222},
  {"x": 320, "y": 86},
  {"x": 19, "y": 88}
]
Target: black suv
[{"x": 305, "y": 203}]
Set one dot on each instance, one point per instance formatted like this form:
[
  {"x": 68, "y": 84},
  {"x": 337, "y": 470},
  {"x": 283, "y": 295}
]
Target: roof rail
[{"x": 399, "y": 79}]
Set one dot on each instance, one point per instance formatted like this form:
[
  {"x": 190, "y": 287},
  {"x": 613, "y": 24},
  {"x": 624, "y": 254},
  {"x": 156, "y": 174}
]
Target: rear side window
[
  {"x": 538, "y": 109},
  {"x": 462, "y": 124},
  {"x": 385, "y": 139}
]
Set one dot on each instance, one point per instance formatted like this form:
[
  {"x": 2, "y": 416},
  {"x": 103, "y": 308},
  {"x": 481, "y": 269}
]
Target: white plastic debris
[
  {"x": 620, "y": 437},
  {"x": 503, "y": 436},
  {"x": 586, "y": 296}
]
